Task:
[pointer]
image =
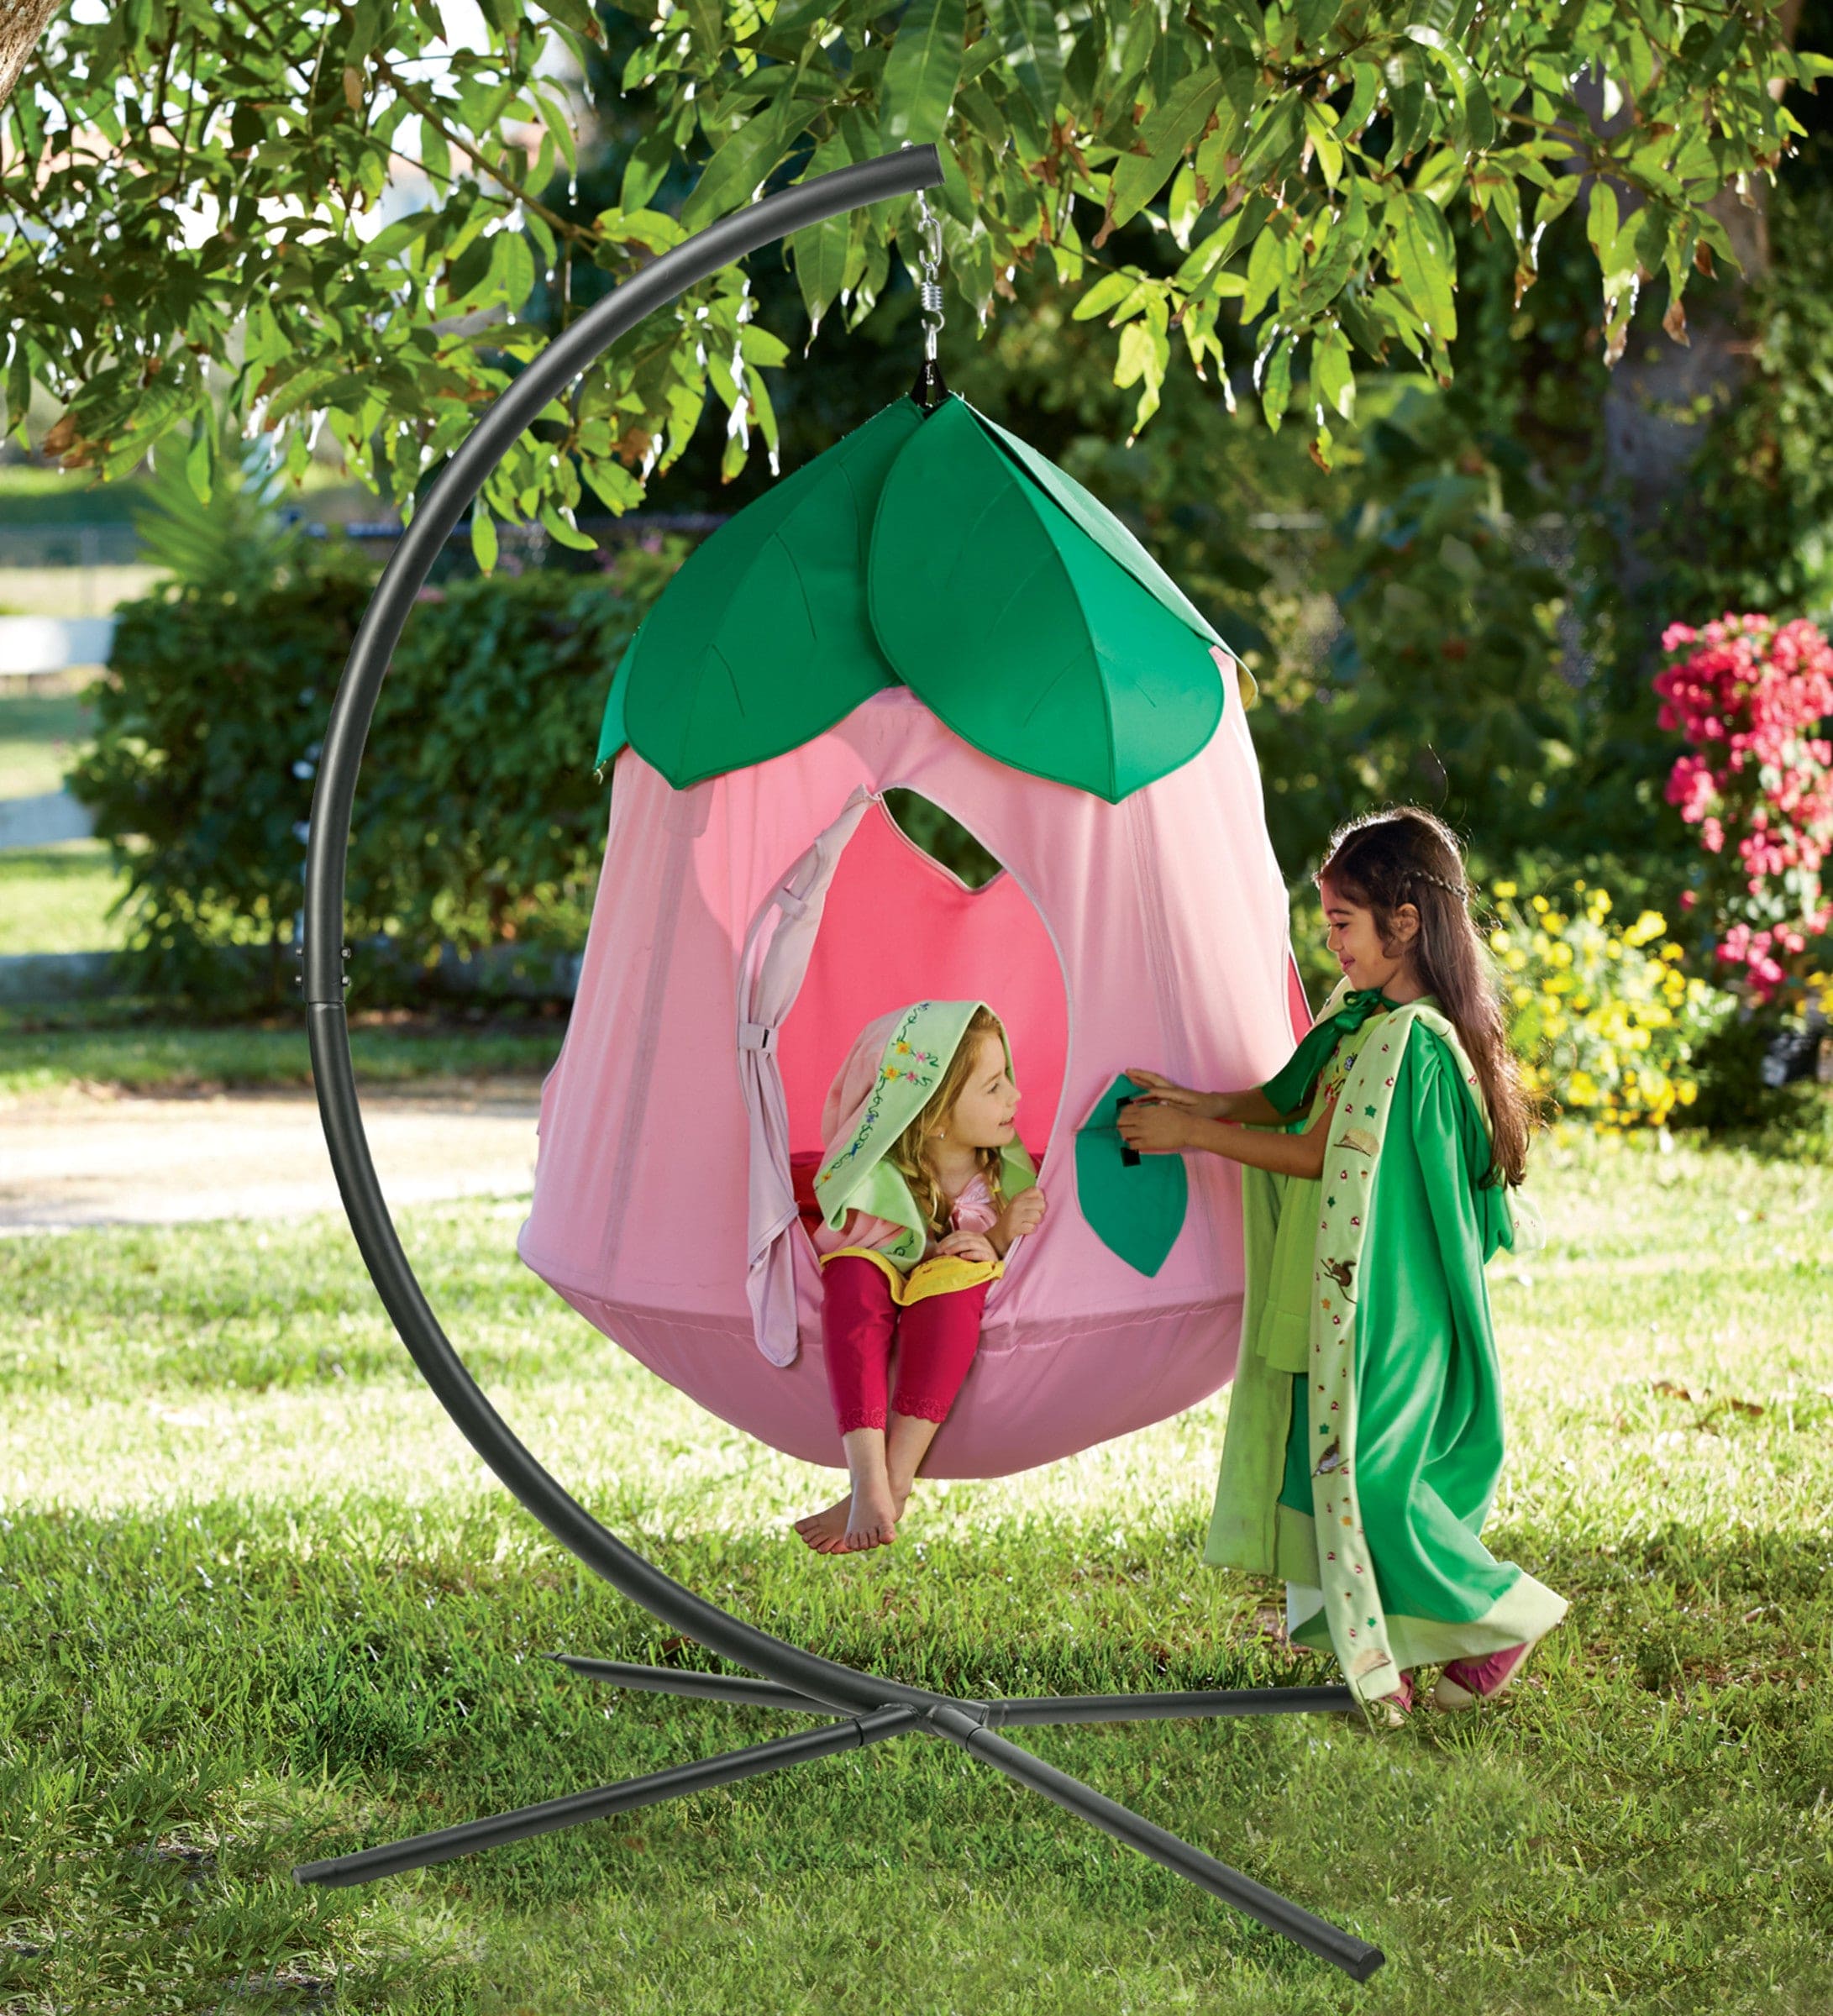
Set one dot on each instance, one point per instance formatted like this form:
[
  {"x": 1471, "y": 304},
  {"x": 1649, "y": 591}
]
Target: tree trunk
[
  {"x": 22, "y": 21},
  {"x": 1660, "y": 400}
]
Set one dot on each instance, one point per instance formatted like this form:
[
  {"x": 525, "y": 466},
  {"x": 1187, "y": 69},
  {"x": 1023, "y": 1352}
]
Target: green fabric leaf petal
[
  {"x": 1101, "y": 526},
  {"x": 612, "y": 737},
  {"x": 997, "y": 603},
  {"x": 762, "y": 642},
  {"x": 1136, "y": 1211}
]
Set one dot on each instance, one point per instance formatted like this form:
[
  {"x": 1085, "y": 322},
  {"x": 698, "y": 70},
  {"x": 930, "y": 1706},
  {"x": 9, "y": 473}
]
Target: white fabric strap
[{"x": 771, "y": 972}]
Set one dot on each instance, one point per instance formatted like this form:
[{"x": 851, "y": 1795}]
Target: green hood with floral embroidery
[{"x": 888, "y": 1077}]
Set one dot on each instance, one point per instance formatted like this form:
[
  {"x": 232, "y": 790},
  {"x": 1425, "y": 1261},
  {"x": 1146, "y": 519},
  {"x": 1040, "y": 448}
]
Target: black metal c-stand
[{"x": 862, "y": 1707}]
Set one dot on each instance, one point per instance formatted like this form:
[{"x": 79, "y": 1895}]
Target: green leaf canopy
[
  {"x": 944, "y": 555},
  {"x": 761, "y": 641}
]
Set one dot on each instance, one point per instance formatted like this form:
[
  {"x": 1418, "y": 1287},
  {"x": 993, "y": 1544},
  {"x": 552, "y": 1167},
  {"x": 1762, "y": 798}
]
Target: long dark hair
[{"x": 1408, "y": 856}]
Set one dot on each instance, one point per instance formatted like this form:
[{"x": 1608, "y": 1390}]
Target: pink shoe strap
[{"x": 1485, "y": 1676}]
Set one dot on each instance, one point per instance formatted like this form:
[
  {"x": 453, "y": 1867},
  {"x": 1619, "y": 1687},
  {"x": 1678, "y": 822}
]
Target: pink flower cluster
[{"x": 1750, "y": 694}]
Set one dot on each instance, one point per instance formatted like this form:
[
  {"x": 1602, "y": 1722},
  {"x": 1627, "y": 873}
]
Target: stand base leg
[
  {"x": 1019, "y": 1711},
  {"x": 1356, "y": 1957},
  {"x": 969, "y": 1723},
  {"x": 679, "y": 1782},
  {"x": 1037, "y": 1711}
]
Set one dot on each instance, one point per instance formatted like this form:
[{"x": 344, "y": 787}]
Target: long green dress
[{"x": 1365, "y": 1437}]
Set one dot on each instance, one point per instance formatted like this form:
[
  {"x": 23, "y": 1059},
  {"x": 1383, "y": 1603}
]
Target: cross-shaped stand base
[{"x": 971, "y": 1724}]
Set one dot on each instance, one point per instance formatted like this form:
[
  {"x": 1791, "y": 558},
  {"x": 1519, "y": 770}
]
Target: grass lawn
[
  {"x": 57, "y": 899},
  {"x": 260, "y": 1605},
  {"x": 136, "y": 1046},
  {"x": 42, "y": 726}
]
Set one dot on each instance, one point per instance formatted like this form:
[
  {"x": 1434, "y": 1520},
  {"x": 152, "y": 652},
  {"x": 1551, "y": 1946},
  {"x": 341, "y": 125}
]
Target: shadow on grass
[{"x": 204, "y": 1697}]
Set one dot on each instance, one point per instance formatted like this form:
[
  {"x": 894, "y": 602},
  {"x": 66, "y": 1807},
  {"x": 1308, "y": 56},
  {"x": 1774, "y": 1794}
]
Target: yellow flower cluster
[{"x": 1604, "y": 1019}]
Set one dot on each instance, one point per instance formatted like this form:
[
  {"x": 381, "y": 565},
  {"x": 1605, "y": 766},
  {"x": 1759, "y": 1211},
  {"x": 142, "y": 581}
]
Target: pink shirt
[{"x": 974, "y": 1211}]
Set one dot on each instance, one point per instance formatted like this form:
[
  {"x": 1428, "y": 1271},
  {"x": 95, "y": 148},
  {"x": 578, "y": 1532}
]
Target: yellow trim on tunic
[{"x": 942, "y": 1274}]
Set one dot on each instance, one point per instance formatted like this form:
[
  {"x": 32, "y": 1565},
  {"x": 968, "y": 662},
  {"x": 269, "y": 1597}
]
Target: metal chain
[{"x": 929, "y": 287}]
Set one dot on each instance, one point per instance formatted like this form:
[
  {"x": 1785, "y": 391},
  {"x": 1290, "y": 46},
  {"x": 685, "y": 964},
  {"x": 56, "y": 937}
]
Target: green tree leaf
[
  {"x": 1028, "y": 39},
  {"x": 744, "y": 159},
  {"x": 1422, "y": 257},
  {"x": 1273, "y": 374},
  {"x": 1162, "y": 140},
  {"x": 1335, "y": 378},
  {"x": 921, "y": 72},
  {"x": 1472, "y": 98},
  {"x": 819, "y": 251},
  {"x": 483, "y": 537}
]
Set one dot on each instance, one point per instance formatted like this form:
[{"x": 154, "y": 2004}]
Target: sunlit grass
[
  {"x": 58, "y": 898},
  {"x": 262, "y": 1604},
  {"x": 43, "y": 725},
  {"x": 141, "y": 1048}
]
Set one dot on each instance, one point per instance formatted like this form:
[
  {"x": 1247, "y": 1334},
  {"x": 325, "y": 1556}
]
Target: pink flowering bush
[{"x": 1750, "y": 694}]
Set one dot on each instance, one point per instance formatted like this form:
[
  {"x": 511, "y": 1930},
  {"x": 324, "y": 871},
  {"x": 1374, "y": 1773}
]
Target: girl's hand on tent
[
  {"x": 1204, "y": 1105},
  {"x": 966, "y": 1246},
  {"x": 1156, "y": 1129},
  {"x": 1024, "y": 1214}
]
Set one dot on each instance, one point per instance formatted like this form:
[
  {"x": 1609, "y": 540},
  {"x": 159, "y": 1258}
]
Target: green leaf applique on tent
[
  {"x": 945, "y": 554},
  {"x": 1101, "y": 526},
  {"x": 1134, "y": 1211},
  {"x": 612, "y": 735},
  {"x": 761, "y": 641},
  {"x": 1024, "y": 633}
]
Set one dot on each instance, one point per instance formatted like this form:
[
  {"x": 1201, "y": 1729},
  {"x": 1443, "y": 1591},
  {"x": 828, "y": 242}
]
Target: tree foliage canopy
[{"x": 197, "y": 182}]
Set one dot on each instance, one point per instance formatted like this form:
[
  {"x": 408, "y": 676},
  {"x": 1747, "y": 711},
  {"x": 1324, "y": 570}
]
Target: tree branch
[
  {"x": 22, "y": 23},
  {"x": 430, "y": 112}
]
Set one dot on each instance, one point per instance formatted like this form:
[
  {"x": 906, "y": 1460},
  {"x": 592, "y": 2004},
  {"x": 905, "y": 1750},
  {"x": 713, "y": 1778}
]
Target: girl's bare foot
[
  {"x": 873, "y": 1521},
  {"x": 826, "y": 1532}
]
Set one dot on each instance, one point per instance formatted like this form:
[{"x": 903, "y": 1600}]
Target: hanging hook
[{"x": 929, "y": 391}]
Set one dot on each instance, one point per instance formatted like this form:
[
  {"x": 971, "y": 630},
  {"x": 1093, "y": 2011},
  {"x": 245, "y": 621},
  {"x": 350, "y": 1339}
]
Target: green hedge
[{"x": 477, "y": 818}]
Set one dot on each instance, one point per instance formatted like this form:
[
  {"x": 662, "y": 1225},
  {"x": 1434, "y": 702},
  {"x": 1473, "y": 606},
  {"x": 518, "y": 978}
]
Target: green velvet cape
[{"x": 1402, "y": 1426}]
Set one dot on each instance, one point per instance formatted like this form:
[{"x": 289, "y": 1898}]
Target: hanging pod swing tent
[{"x": 932, "y": 605}]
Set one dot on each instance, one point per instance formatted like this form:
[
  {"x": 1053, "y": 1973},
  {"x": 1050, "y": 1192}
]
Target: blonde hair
[{"x": 910, "y": 1154}]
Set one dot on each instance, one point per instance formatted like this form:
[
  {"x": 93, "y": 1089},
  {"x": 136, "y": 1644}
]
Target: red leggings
[{"x": 937, "y": 1339}]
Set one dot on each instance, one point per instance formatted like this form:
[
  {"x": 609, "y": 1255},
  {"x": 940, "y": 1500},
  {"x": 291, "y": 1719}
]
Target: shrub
[
  {"x": 1736, "y": 1098},
  {"x": 199, "y": 775},
  {"x": 1604, "y": 1019},
  {"x": 478, "y": 817},
  {"x": 480, "y": 823},
  {"x": 1748, "y": 693}
]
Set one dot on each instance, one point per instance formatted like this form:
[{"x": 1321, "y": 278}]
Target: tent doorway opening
[{"x": 932, "y": 918}]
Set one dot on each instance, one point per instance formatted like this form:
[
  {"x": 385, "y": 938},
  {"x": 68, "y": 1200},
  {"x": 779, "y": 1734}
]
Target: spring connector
[{"x": 929, "y": 391}]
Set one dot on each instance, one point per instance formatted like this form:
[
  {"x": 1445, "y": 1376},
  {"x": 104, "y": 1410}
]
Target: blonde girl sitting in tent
[
  {"x": 923, "y": 1186},
  {"x": 1364, "y": 1436}
]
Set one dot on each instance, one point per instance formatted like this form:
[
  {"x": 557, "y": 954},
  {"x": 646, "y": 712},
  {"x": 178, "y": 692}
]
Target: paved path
[
  {"x": 46, "y": 821},
  {"x": 77, "y": 1158}
]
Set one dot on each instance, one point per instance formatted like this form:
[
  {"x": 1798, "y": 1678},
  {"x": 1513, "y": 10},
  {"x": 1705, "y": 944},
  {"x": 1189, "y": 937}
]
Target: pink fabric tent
[{"x": 746, "y": 928}]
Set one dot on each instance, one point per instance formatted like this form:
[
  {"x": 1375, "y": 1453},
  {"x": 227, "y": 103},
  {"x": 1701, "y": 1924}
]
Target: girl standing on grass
[
  {"x": 1364, "y": 1436},
  {"x": 923, "y": 1186}
]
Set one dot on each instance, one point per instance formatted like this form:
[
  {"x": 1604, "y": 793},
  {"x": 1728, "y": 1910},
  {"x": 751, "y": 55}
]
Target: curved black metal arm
[
  {"x": 872, "y": 1708},
  {"x": 328, "y": 851}
]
